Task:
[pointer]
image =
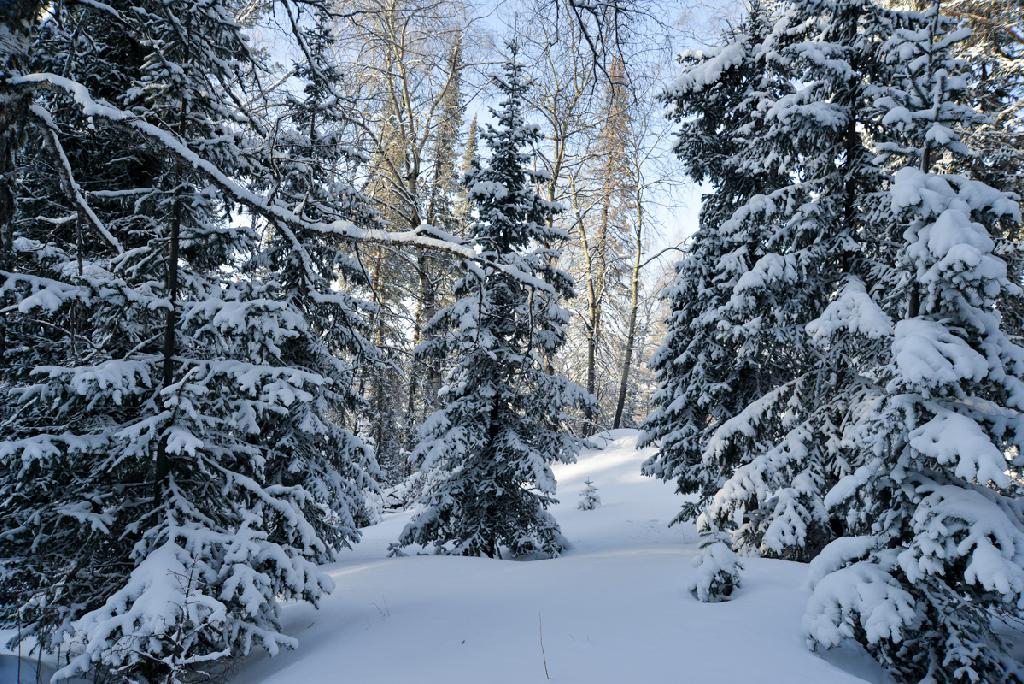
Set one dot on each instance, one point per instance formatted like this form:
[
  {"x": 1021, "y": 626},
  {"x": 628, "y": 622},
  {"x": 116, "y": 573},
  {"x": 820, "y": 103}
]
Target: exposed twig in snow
[{"x": 543, "y": 655}]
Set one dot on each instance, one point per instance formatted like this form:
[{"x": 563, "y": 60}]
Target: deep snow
[{"x": 613, "y": 609}]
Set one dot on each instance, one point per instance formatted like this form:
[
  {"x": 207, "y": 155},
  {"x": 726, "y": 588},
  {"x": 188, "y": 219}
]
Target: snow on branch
[
  {"x": 437, "y": 240},
  {"x": 73, "y": 188},
  {"x": 46, "y": 294}
]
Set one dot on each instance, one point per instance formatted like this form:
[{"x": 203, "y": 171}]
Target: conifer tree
[
  {"x": 717, "y": 568},
  {"x": 799, "y": 271},
  {"x": 932, "y": 557},
  {"x": 171, "y": 466},
  {"x": 56, "y": 265},
  {"x": 699, "y": 379},
  {"x": 321, "y": 283},
  {"x": 467, "y": 165},
  {"x": 425, "y": 373},
  {"x": 734, "y": 370},
  {"x": 813, "y": 272},
  {"x": 589, "y": 498},
  {"x": 994, "y": 57},
  {"x": 487, "y": 453},
  {"x": 886, "y": 406}
]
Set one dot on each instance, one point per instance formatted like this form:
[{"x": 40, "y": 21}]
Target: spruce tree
[
  {"x": 886, "y": 407},
  {"x": 812, "y": 275},
  {"x": 487, "y": 453},
  {"x": 56, "y": 517},
  {"x": 322, "y": 284},
  {"x": 800, "y": 268},
  {"x": 994, "y": 55},
  {"x": 171, "y": 465},
  {"x": 736, "y": 412},
  {"x": 931, "y": 560},
  {"x": 717, "y": 569},
  {"x": 589, "y": 498},
  {"x": 701, "y": 381}
]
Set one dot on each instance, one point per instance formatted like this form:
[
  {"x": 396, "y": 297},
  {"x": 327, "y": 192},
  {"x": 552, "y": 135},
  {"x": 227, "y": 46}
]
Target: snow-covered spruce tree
[
  {"x": 759, "y": 456},
  {"x": 58, "y": 505},
  {"x": 701, "y": 380},
  {"x": 317, "y": 274},
  {"x": 934, "y": 555},
  {"x": 812, "y": 273},
  {"x": 994, "y": 53},
  {"x": 487, "y": 452},
  {"x": 172, "y": 467},
  {"x": 589, "y": 498},
  {"x": 717, "y": 570},
  {"x": 17, "y": 20}
]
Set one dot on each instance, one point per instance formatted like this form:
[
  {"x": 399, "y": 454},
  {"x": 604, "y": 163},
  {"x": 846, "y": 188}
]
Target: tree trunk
[
  {"x": 170, "y": 346},
  {"x": 595, "y": 295},
  {"x": 593, "y": 322},
  {"x": 421, "y": 316},
  {"x": 426, "y": 307},
  {"x": 634, "y": 305},
  {"x": 593, "y": 310},
  {"x": 914, "y": 300},
  {"x": 431, "y": 368}
]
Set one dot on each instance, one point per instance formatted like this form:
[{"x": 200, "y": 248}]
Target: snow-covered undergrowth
[{"x": 613, "y": 608}]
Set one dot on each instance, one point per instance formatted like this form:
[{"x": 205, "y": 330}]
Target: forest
[{"x": 468, "y": 341}]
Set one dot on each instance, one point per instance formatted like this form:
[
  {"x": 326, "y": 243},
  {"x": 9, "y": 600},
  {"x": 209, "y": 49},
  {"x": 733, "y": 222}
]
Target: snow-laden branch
[
  {"x": 51, "y": 134},
  {"x": 437, "y": 240}
]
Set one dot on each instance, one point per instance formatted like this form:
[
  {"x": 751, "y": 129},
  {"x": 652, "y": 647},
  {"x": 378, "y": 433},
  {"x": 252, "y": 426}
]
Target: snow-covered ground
[{"x": 613, "y": 609}]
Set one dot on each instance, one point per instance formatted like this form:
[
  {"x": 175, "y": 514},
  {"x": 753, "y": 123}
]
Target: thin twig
[
  {"x": 673, "y": 248},
  {"x": 543, "y": 655}
]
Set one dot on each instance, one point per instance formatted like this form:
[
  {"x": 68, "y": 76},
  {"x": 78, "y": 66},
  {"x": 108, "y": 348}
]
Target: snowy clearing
[{"x": 614, "y": 608}]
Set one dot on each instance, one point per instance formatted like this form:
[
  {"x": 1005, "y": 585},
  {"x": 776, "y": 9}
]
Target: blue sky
[{"x": 676, "y": 212}]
